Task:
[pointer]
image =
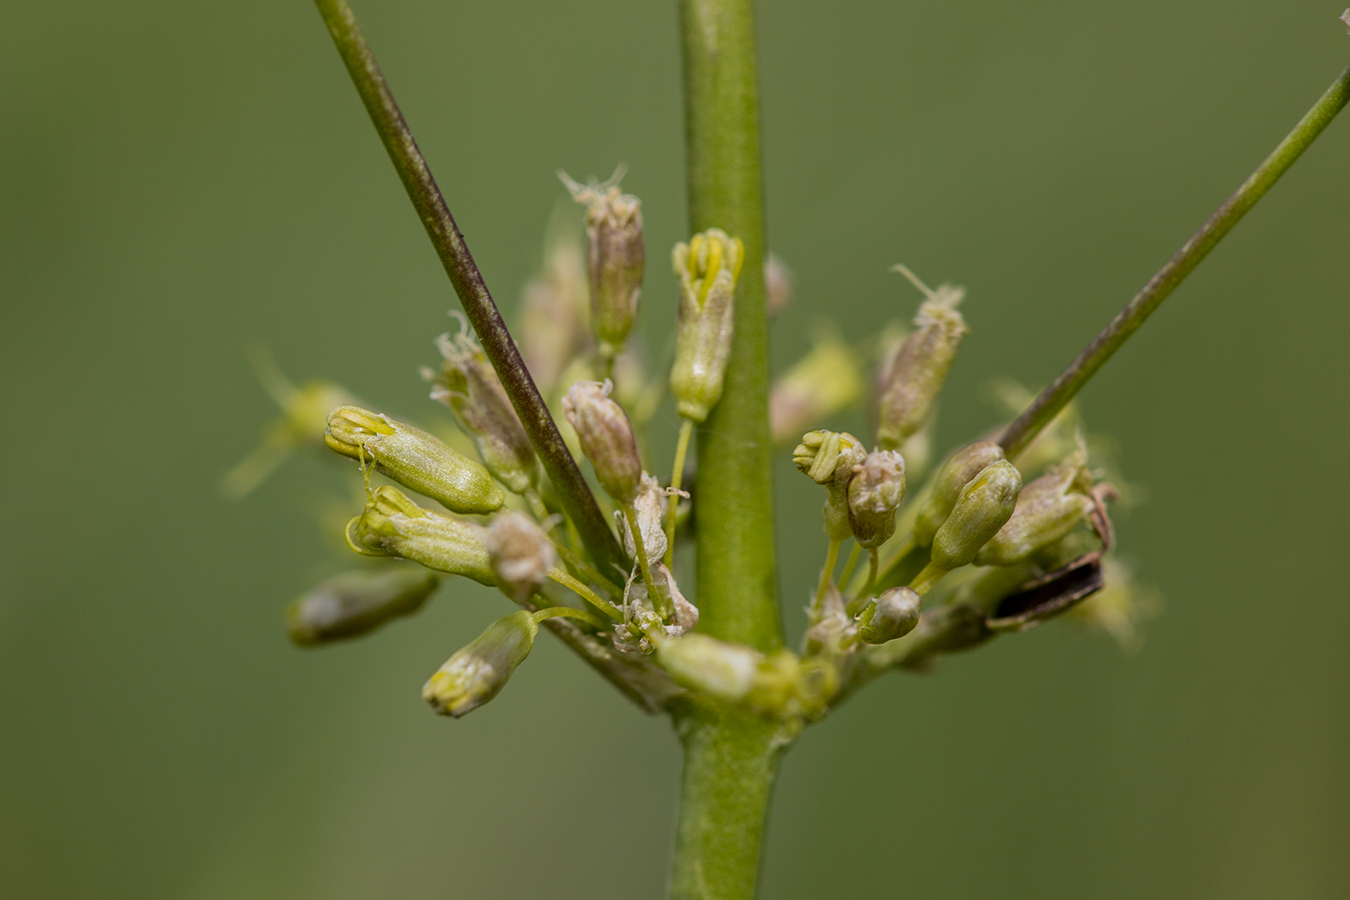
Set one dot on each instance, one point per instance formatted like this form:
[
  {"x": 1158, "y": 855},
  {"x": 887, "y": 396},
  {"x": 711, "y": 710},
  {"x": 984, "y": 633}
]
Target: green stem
[
  {"x": 676, "y": 478},
  {"x": 660, "y": 602},
  {"x": 1053, "y": 399},
  {"x": 849, "y": 566},
  {"x": 566, "y": 612},
  {"x": 736, "y": 586},
  {"x": 831, "y": 559},
  {"x": 468, "y": 283},
  {"x": 590, "y": 596}
]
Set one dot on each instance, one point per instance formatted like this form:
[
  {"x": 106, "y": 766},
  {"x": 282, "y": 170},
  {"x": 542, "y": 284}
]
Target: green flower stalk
[
  {"x": 357, "y": 602},
  {"x": 615, "y": 259},
  {"x": 913, "y": 377},
  {"x": 413, "y": 458},
  {"x": 707, "y": 268},
  {"x": 392, "y": 525},
  {"x": 467, "y": 384}
]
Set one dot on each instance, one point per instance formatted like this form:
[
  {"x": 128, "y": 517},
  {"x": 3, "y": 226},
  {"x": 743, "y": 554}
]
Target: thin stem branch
[
  {"x": 562, "y": 577},
  {"x": 676, "y": 479},
  {"x": 1053, "y": 399},
  {"x": 468, "y": 282},
  {"x": 660, "y": 601}
]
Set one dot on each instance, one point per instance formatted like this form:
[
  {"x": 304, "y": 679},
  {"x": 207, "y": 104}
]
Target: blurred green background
[{"x": 181, "y": 181}]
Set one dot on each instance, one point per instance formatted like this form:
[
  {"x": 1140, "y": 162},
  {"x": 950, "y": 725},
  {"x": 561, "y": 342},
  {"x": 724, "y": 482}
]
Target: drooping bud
[
  {"x": 955, "y": 474},
  {"x": 392, "y": 525},
  {"x": 606, "y": 438},
  {"x": 984, "y": 506},
  {"x": 1047, "y": 509},
  {"x": 911, "y": 380},
  {"x": 651, "y": 507},
  {"x": 825, "y": 381},
  {"x": 614, "y": 259},
  {"x": 356, "y": 602},
  {"x": 468, "y": 385},
  {"x": 707, "y": 267},
  {"x": 478, "y": 672},
  {"x": 414, "y": 459},
  {"x": 553, "y": 312},
  {"x": 894, "y": 614},
  {"x": 874, "y": 495},
  {"x": 828, "y": 457},
  {"x": 777, "y": 286},
  {"x": 521, "y": 555}
]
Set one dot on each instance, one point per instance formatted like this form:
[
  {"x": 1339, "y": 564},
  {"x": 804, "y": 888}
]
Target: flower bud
[
  {"x": 914, "y": 374},
  {"x": 392, "y": 525},
  {"x": 614, "y": 259},
  {"x": 955, "y": 474},
  {"x": 874, "y": 494},
  {"x": 894, "y": 614},
  {"x": 734, "y": 673},
  {"x": 777, "y": 286},
  {"x": 478, "y": 672},
  {"x": 358, "y": 601},
  {"x": 414, "y": 459},
  {"x": 606, "y": 438},
  {"x": 651, "y": 506},
  {"x": 521, "y": 555},
  {"x": 828, "y": 457},
  {"x": 825, "y": 381},
  {"x": 469, "y": 386},
  {"x": 707, "y": 267},
  {"x": 983, "y": 507},
  {"x": 1047, "y": 509}
]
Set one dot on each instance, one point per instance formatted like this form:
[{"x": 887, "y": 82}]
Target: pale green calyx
[
  {"x": 392, "y": 525},
  {"x": 707, "y": 268},
  {"x": 356, "y": 602},
  {"x": 955, "y": 474},
  {"x": 478, "y": 672},
  {"x": 984, "y": 506},
  {"x": 521, "y": 555},
  {"x": 912, "y": 376},
  {"x": 606, "y": 438},
  {"x": 894, "y": 614},
  {"x": 414, "y": 459},
  {"x": 468, "y": 385},
  {"x": 874, "y": 495},
  {"x": 828, "y": 458},
  {"x": 615, "y": 258},
  {"x": 1047, "y": 509}
]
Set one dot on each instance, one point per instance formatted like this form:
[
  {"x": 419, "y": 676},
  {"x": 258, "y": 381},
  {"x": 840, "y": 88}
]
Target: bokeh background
[{"x": 181, "y": 181}]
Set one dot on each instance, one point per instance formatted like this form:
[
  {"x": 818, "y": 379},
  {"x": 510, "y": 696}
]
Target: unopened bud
[
  {"x": 913, "y": 376},
  {"x": 894, "y": 614},
  {"x": 828, "y": 457},
  {"x": 469, "y": 386},
  {"x": 521, "y": 555},
  {"x": 707, "y": 267},
  {"x": 1047, "y": 509},
  {"x": 874, "y": 494},
  {"x": 733, "y": 673},
  {"x": 955, "y": 474},
  {"x": 477, "y": 673},
  {"x": 392, "y": 525},
  {"x": 825, "y": 381},
  {"x": 359, "y": 601},
  {"x": 414, "y": 459},
  {"x": 606, "y": 438},
  {"x": 651, "y": 506},
  {"x": 777, "y": 285},
  {"x": 614, "y": 259},
  {"x": 984, "y": 506}
]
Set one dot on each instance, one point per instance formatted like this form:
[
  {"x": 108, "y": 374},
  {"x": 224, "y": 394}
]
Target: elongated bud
[
  {"x": 707, "y": 267},
  {"x": 651, "y": 507},
  {"x": 825, "y": 381},
  {"x": 614, "y": 259},
  {"x": 984, "y": 506},
  {"x": 521, "y": 555},
  {"x": 357, "y": 602},
  {"x": 553, "y": 312},
  {"x": 469, "y": 386},
  {"x": 894, "y": 614},
  {"x": 828, "y": 457},
  {"x": 606, "y": 438},
  {"x": 732, "y": 673},
  {"x": 955, "y": 474},
  {"x": 874, "y": 494},
  {"x": 414, "y": 459},
  {"x": 911, "y": 380},
  {"x": 1047, "y": 509},
  {"x": 392, "y": 525},
  {"x": 477, "y": 673},
  {"x": 777, "y": 286}
]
